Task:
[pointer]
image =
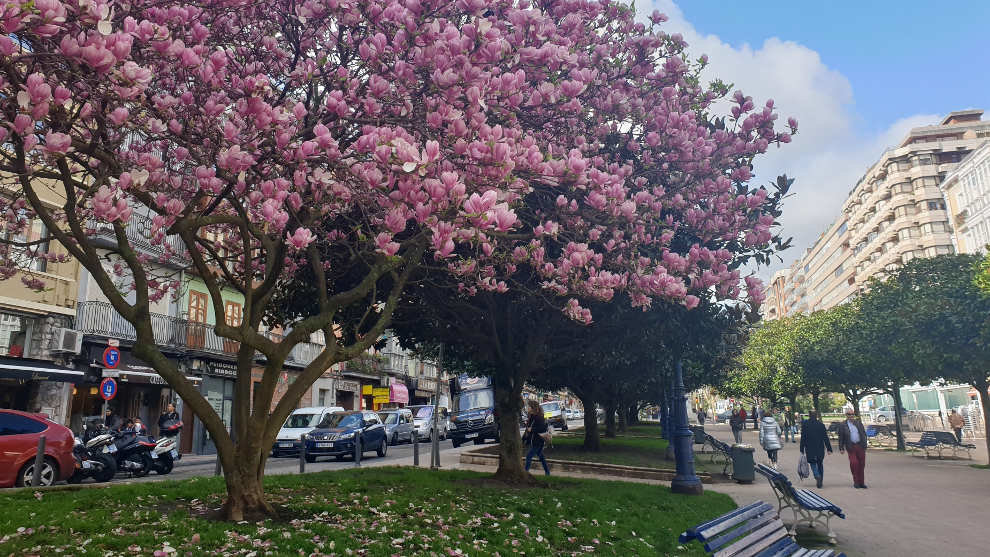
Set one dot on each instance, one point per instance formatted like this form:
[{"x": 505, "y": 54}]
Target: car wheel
[
  {"x": 880, "y": 419},
  {"x": 382, "y": 449},
  {"x": 49, "y": 472},
  {"x": 563, "y": 427},
  {"x": 339, "y": 457},
  {"x": 310, "y": 458},
  {"x": 275, "y": 453},
  {"x": 395, "y": 439},
  {"x": 479, "y": 441},
  {"x": 455, "y": 442}
]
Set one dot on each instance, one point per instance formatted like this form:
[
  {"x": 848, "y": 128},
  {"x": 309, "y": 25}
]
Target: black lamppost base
[{"x": 687, "y": 486}]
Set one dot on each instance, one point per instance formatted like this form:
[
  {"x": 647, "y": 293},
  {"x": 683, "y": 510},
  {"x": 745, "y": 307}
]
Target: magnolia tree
[{"x": 355, "y": 142}]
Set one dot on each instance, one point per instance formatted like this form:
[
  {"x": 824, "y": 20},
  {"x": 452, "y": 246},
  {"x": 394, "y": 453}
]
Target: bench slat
[
  {"x": 743, "y": 530},
  {"x": 750, "y": 511},
  {"x": 755, "y": 542},
  {"x": 710, "y": 532},
  {"x": 782, "y": 548}
]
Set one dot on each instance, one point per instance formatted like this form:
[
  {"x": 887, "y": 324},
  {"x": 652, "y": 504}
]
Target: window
[
  {"x": 842, "y": 229},
  {"x": 12, "y": 335},
  {"x": 197, "y": 306},
  {"x": 906, "y": 233},
  {"x": 232, "y": 313},
  {"x": 13, "y": 424},
  {"x": 28, "y": 256},
  {"x": 922, "y": 160},
  {"x": 870, "y": 237},
  {"x": 904, "y": 211},
  {"x": 323, "y": 399},
  {"x": 937, "y": 205},
  {"x": 838, "y": 271}
]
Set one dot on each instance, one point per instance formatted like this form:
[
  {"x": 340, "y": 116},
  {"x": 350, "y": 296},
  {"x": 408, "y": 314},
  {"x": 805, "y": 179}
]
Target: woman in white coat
[{"x": 770, "y": 437}]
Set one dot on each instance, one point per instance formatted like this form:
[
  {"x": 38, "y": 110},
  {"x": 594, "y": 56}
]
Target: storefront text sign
[{"x": 352, "y": 386}]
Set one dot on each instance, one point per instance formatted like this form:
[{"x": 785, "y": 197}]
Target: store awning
[
  {"x": 38, "y": 370},
  {"x": 140, "y": 374},
  {"x": 398, "y": 393}
]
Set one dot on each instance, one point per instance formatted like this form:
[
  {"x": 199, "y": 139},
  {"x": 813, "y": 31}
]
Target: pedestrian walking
[
  {"x": 536, "y": 430},
  {"x": 770, "y": 437},
  {"x": 743, "y": 416},
  {"x": 796, "y": 427},
  {"x": 852, "y": 439},
  {"x": 702, "y": 416},
  {"x": 957, "y": 422},
  {"x": 814, "y": 443},
  {"x": 789, "y": 425},
  {"x": 737, "y": 422},
  {"x": 756, "y": 417}
]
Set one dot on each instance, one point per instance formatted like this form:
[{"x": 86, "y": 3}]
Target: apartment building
[
  {"x": 966, "y": 189},
  {"x": 896, "y": 212}
]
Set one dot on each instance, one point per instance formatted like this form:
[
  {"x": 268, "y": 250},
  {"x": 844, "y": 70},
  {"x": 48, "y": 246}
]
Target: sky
[{"x": 856, "y": 75}]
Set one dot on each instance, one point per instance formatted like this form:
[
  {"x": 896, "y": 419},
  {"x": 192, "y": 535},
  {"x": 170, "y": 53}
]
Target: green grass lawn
[
  {"x": 625, "y": 451},
  {"x": 373, "y": 511}
]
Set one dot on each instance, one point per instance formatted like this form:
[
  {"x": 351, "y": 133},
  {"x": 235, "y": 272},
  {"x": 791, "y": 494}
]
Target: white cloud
[{"x": 828, "y": 154}]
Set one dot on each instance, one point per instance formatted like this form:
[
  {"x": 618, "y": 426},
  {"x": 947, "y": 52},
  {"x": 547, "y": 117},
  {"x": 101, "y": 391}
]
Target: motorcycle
[
  {"x": 133, "y": 453},
  {"x": 166, "y": 450},
  {"x": 100, "y": 465}
]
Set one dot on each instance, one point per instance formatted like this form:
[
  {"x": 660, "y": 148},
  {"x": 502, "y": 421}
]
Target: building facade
[
  {"x": 895, "y": 212},
  {"x": 966, "y": 192}
]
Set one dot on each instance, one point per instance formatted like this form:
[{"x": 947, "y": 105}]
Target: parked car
[
  {"x": 884, "y": 414},
  {"x": 422, "y": 417},
  {"x": 398, "y": 425},
  {"x": 579, "y": 414},
  {"x": 723, "y": 416},
  {"x": 336, "y": 434},
  {"x": 553, "y": 412},
  {"x": 19, "y": 433},
  {"x": 302, "y": 420},
  {"x": 571, "y": 414}
]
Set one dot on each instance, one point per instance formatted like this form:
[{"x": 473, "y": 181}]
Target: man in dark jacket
[
  {"x": 737, "y": 422},
  {"x": 852, "y": 439},
  {"x": 814, "y": 443},
  {"x": 169, "y": 415}
]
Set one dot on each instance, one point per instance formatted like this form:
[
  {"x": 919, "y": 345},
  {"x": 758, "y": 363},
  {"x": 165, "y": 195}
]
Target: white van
[{"x": 302, "y": 420}]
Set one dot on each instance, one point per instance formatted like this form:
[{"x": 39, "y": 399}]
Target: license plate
[
  {"x": 285, "y": 444},
  {"x": 154, "y": 455},
  {"x": 87, "y": 465},
  {"x": 324, "y": 445},
  {"x": 111, "y": 448},
  {"x": 470, "y": 435},
  {"x": 174, "y": 453}
]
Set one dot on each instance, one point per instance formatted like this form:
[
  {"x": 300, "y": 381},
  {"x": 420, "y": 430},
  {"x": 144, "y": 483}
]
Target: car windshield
[
  {"x": 390, "y": 419},
  {"x": 550, "y": 406},
  {"x": 470, "y": 400},
  {"x": 302, "y": 420},
  {"x": 424, "y": 411},
  {"x": 341, "y": 420}
]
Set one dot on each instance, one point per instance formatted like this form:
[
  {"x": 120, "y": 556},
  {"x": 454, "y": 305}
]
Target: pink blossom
[
  {"x": 119, "y": 116},
  {"x": 301, "y": 238},
  {"x": 56, "y": 142}
]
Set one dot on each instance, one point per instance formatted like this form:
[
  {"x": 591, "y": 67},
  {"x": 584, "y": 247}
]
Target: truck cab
[{"x": 472, "y": 414}]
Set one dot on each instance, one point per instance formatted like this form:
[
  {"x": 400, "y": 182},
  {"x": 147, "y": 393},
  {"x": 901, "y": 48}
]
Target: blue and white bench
[
  {"x": 929, "y": 443},
  {"x": 751, "y": 531},
  {"x": 948, "y": 440},
  {"x": 806, "y": 505}
]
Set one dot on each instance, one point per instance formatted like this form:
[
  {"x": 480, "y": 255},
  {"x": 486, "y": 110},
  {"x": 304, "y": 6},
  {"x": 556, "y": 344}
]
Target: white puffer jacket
[{"x": 769, "y": 434}]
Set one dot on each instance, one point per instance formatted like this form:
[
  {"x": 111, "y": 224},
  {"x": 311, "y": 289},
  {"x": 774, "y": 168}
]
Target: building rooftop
[{"x": 960, "y": 116}]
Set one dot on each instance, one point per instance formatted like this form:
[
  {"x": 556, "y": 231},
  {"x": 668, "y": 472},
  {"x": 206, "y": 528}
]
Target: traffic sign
[
  {"x": 108, "y": 388},
  {"x": 111, "y": 357}
]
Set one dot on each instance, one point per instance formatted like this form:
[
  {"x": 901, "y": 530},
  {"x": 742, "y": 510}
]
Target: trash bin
[
  {"x": 699, "y": 434},
  {"x": 743, "y": 465}
]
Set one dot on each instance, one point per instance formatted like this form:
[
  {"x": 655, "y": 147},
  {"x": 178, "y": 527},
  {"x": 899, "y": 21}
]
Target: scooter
[
  {"x": 99, "y": 466},
  {"x": 166, "y": 450},
  {"x": 133, "y": 453}
]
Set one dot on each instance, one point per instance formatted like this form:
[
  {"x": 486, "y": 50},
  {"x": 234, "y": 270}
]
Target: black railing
[{"x": 138, "y": 232}]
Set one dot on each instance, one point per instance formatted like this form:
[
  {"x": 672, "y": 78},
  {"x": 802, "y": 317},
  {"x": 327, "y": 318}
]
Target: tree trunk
[
  {"x": 816, "y": 403},
  {"x": 508, "y": 404},
  {"x": 610, "y": 419},
  {"x": 898, "y": 422},
  {"x": 985, "y": 403},
  {"x": 245, "y": 489},
  {"x": 794, "y": 406},
  {"x": 854, "y": 399},
  {"x": 632, "y": 416},
  {"x": 592, "y": 442},
  {"x": 623, "y": 411}
]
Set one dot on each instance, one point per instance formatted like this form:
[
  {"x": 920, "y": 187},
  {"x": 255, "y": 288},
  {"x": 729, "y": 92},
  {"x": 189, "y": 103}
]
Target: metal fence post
[
  {"x": 357, "y": 448},
  {"x": 302, "y": 453},
  {"x": 415, "y": 437},
  {"x": 217, "y": 468},
  {"x": 39, "y": 461}
]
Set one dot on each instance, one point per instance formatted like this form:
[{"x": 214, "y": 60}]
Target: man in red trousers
[{"x": 852, "y": 439}]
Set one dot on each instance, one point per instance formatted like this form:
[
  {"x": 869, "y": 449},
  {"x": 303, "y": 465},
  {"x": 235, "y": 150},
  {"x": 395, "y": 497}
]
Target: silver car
[{"x": 399, "y": 425}]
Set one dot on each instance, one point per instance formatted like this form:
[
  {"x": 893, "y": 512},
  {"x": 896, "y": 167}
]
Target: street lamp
[{"x": 686, "y": 481}]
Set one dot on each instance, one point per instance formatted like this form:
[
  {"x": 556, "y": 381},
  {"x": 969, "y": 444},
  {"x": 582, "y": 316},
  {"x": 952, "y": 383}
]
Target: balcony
[
  {"x": 175, "y": 334},
  {"x": 138, "y": 232}
]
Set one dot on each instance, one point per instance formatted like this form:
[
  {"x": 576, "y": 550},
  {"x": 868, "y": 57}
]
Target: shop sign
[
  {"x": 367, "y": 390},
  {"x": 381, "y": 395},
  {"x": 222, "y": 369},
  {"x": 352, "y": 386}
]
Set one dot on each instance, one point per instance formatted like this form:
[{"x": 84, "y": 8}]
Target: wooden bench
[
  {"x": 751, "y": 531},
  {"x": 929, "y": 443},
  {"x": 806, "y": 505},
  {"x": 720, "y": 450},
  {"x": 948, "y": 440}
]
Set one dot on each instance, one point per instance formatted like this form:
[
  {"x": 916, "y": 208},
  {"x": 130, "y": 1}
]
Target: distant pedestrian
[
  {"x": 814, "y": 443},
  {"x": 169, "y": 415},
  {"x": 756, "y": 417},
  {"x": 702, "y": 416},
  {"x": 770, "y": 437},
  {"x": 111, "y": 421},
  {"x": 957, "y": 423},
  {"x": 536, "y": 429},
  {"x": 796, "y": 427},
  {"x": 852, "y": 439},
  {"x": 789, "y": 425},
  {"x": 737, "y": 422},
  {"x": 743, "y": 416}
]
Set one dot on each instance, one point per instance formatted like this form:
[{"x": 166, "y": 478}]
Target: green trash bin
[
  {"x": 743, "y": 464},
  {"x": 699, "y": 434}
]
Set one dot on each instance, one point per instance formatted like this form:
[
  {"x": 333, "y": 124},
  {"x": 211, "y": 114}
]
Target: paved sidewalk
[{"x": 913, "y": 506}]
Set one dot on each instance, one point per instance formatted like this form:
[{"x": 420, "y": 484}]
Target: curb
[{"x": 478, "y": 458}]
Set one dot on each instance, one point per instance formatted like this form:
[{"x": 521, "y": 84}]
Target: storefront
[
  {"x": 143, "y": 393},
  {"x": 348, "y": 394},
  {"x": 217, "y": 388},
  {"x": 38, "y": 386}
]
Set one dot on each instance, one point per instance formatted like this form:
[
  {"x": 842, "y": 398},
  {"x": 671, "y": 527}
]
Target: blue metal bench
[
  {"x": 806, "y": 505},
  {"x": 948, "y": 440},
  {"x": 751, "y": 531},
  {"x": 720, "y": 450},
  {"x": 929, "y": 443}
]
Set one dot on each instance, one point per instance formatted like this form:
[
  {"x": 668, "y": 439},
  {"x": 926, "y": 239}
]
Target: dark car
[
  {"x": 723, "y": 416},
  {"x": 336, "y": 434},
  {"x": 19, "y": 433}
]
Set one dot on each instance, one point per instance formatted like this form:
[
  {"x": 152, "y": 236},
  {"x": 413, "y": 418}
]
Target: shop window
[{"x": 12, "y": 335}]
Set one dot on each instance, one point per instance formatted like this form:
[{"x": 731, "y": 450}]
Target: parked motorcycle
[
  {"x": 166, "y": 450},
  {"x": 133, "y": 453},
  {"x": 100, "y": 466}
]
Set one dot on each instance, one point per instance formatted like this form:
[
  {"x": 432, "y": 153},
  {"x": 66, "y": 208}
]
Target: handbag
[
  {"x": 547, "y": 436},
  {"x": 803, "y": 469}
]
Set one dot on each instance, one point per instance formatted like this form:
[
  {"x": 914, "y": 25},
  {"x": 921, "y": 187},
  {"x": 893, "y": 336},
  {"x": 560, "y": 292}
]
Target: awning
[
  {"x": 398, "y": 393},
  {"x": 140, "y": 374},
  {"x": 38, "y": 370}
]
